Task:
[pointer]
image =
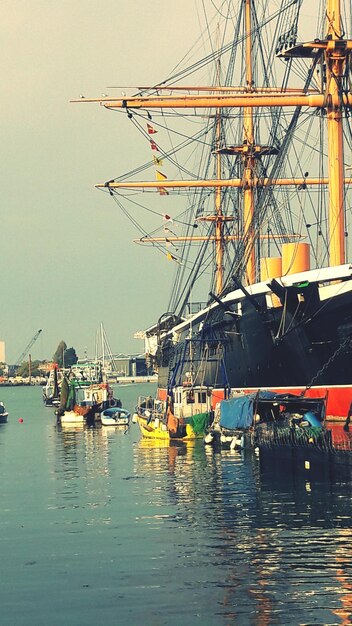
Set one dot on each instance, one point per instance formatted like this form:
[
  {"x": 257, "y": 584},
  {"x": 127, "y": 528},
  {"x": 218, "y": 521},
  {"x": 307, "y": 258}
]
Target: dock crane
[{"x": 28, "y": 347}]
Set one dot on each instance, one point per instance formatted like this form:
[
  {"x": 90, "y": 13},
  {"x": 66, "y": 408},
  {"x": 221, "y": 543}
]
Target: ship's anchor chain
[{"x": 328, "y": 362}]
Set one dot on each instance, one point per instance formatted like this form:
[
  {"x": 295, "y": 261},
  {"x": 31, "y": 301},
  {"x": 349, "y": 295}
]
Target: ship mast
[
  {"x": 219, "y": 223},
  {"x": 248, "y": 192},
  {"x": 335, "y": 64}
]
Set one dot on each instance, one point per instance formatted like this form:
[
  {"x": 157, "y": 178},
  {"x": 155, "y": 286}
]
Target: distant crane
[{"x": 28, "y": 347}]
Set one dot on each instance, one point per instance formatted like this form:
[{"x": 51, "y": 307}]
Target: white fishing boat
[
  {"x": 51, "y": 390},
  {"x": 3, "y": 414},
  {"x": 115, "y": 416},
  {"x": 84, "y": 395}
]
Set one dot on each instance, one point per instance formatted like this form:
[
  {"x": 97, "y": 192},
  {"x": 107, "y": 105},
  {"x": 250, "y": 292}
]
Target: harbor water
[{"x": 100, "y": 527}]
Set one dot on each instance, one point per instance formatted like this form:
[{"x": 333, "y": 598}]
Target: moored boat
[
  {"x": 115, "y": 416},
  {"x": 267, "y": 419},
  {"x": 51, "y": 390},
  {"x": 184, "y": 417},
  {"x": 3, "y": 414},
  {"x": 84, "y": 395},
  {"x": 285, "y": 425}
]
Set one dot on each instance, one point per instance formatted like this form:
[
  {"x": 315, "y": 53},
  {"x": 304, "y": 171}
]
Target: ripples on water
[{"x": 97, "y": 525}]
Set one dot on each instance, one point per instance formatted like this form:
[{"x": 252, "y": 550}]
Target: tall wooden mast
[
  {"x": 219, "y": 224},
  {"x": 335, "y": 64},
  {"x": 248, "y": 141},
  {"x": 218, "y": 218}
]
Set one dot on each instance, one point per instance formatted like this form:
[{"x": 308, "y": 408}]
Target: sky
[{"x": 68, "y": 262}]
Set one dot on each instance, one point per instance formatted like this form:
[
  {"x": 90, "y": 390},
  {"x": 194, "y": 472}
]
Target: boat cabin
[{"x": 189, "y": 400}]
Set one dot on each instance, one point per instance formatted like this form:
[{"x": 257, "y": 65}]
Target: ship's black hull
[{"x": 306, "y": 343}]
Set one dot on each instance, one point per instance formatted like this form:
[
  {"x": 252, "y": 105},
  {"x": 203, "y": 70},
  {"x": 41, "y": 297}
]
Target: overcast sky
[{"x": 67, "y": 257}]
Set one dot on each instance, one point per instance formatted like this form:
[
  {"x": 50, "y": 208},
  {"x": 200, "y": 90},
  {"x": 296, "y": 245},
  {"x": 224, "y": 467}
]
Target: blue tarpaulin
[{"x": 238, "y": 411}]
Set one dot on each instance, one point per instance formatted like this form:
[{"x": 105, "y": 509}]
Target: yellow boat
[
  {"x": 183, "y": 420},
  {"x": 159, "y": 430}
]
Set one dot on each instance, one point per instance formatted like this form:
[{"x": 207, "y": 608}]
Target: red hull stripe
[
  {"x": 338, "y": 404},
  {"x": 339, "y": 397}
]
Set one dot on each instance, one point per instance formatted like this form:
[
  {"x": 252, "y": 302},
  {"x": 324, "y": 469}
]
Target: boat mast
[
  {"x": 218, "y": 218},
  {"x": 219, "y": 223},
  {"x": 248, "y": 142},
  {"x": 102, "y": 339},
  {"x": 335, "y": 56}
]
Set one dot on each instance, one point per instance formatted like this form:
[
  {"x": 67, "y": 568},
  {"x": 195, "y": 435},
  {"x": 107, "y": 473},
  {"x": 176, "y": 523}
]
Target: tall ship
[{"x": 250, "y": 179}]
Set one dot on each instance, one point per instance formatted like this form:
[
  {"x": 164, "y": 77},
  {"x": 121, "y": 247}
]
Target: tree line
[{"x": 63, "y": 357}]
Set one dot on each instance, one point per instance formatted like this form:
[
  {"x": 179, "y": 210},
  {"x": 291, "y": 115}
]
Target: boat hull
[
  {"x": 304, "y": 347},
  {"x": 115, "y": 417},
  {"x": 70, "y": 417},
  {"x": 122, "y": 421},
  {"x": 51, "y": 401},
  {"x": 3, "y": 414},
  {"x": 155, "y": 429}
]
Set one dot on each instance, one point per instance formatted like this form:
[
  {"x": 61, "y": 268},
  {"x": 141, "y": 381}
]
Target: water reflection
[
  {"x": 81, "y": 470},
  {"x": 275, "y": 539},
  {"x": 231, "y": 537},
  {"x": 343, "y": 576}
]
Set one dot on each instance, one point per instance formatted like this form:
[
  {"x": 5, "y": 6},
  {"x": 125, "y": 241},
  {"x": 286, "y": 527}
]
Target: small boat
[
  {"x": 115, "y": 416},
  {"x": 3, "y": 414},
  {"x": 185, "y": 417},
  {"x": 51, "y": 390},
  {"x": 84, "y": 395},
  {"x": 269, "y": 420},
  {"x": 289, "y": 421}
]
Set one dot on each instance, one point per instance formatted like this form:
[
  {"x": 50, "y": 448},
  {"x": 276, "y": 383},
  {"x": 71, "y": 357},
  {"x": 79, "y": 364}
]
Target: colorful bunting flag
[
  {"x": 170, "y": 243},
  {"x": 157, "y": 161},
  {"x": 161, "y": 176}
]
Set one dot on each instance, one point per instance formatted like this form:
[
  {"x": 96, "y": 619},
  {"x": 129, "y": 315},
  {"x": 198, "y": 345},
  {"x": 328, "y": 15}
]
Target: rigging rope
[{"x": 337, "y": 352}]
